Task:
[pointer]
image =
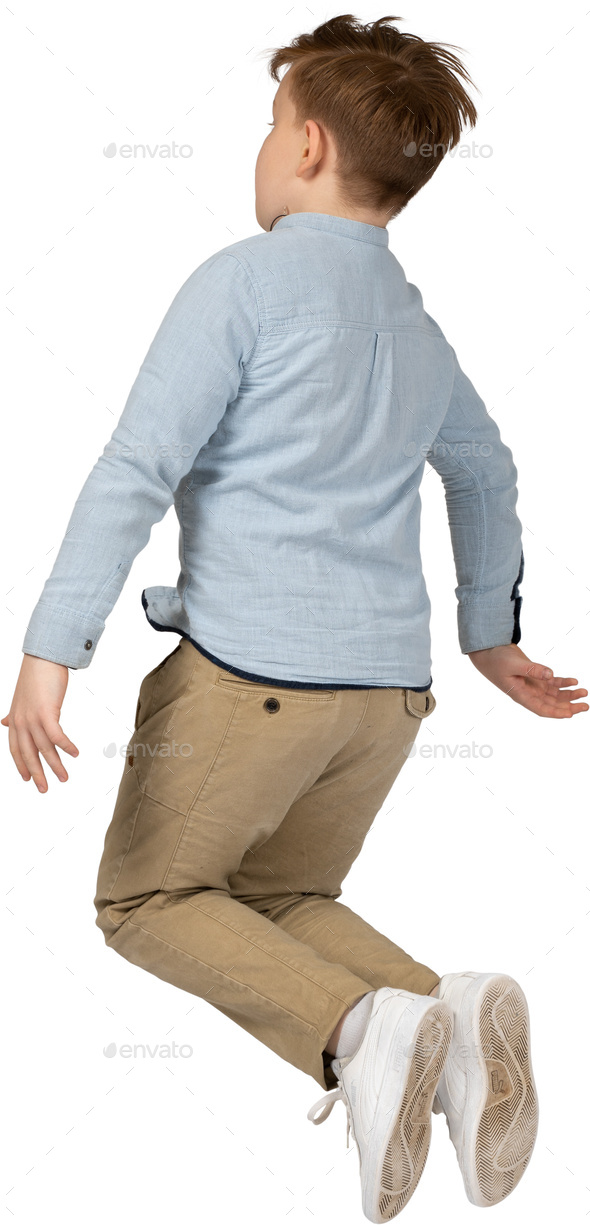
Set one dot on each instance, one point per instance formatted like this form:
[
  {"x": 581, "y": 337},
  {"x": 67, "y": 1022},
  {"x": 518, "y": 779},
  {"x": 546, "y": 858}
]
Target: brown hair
[{"x": 393, "y": 103}]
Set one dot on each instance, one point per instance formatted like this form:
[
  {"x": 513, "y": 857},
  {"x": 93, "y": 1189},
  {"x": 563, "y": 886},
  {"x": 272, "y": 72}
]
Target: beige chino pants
[{"x": 241, "y": 809}]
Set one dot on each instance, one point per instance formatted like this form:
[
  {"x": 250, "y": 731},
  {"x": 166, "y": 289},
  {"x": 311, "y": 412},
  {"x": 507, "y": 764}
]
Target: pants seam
[
  {"x": 196, "y": 797},
  {"x": 362, "y": 716},
  {"x": 130, "y": 844},
  {"x": 173, "y": 713},
  {"x": 280, "y": 960},
  {"x": 216, "y": 970}
]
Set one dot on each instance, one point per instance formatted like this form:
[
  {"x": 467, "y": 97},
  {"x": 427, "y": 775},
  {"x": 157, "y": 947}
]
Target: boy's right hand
[{"x": 33, "y": 720}]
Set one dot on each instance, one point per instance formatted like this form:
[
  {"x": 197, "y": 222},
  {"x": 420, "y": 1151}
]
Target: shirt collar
[{"x": 345, "y": 226}]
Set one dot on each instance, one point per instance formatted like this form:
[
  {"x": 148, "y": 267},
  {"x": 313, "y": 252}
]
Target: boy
[{"x": 286, "y": 406}]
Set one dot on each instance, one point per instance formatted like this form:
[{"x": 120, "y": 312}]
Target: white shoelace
[{"x": 327, "y": 1101}]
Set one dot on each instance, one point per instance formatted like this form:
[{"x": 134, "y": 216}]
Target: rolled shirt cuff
[
  {"x": 488, "y": 625},
  {"x": 62, "y": 636}
]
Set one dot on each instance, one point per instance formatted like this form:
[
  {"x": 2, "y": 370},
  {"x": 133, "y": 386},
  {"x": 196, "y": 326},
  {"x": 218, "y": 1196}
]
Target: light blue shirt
[{"x": 287, "y": 406}]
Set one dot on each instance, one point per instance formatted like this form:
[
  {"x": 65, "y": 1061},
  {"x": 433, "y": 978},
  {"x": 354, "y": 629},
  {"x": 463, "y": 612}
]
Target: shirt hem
[{"x": 271, "y": 680}]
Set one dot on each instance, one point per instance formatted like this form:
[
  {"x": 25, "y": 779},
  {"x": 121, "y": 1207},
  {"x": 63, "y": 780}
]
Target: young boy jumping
[{"x": 286, "y": 407}]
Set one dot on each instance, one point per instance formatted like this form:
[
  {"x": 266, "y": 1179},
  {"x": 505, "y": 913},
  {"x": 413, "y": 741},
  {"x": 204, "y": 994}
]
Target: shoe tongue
[{"x": 338, "y": 1065}]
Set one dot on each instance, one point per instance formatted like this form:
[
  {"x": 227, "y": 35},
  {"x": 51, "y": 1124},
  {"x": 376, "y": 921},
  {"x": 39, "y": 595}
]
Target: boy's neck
[{"x": 368, "y": 216}]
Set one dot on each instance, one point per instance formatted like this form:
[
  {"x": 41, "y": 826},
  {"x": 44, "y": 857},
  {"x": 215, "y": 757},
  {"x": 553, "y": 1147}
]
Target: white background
[{"x": 476, "y": 863}]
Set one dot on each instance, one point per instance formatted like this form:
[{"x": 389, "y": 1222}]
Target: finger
[
  {"x": 17, "y": 755},
  {"x": 535, "y": 671},
  {"x": 31, "y": 758},
  {"x": 552, "y": 710},
  {"x": 58, "y": 737},
  {"x": 554, "y": 688},
  {"x": 574, "y": 706},
  {"x": 569, "y": 695},
  {"x": 562, "y": 698},
  {"x": 541, "y": 703},
  {"x": 49, "y": 752},
  {"x": 557, "y": 693}
]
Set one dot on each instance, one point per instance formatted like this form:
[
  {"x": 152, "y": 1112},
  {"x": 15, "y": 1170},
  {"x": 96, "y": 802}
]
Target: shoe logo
[{"x": 499, "y": 1083}]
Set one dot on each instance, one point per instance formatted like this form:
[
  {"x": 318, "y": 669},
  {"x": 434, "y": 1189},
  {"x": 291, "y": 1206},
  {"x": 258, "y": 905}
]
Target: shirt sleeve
[
  {"x": 479, "y": 477},
  {"x": 190, "y": 374}
]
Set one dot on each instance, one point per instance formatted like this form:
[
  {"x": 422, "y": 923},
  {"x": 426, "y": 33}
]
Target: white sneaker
[
  {"x": 387, "y": 1087},
  {"x": 487, "y": 1090}
]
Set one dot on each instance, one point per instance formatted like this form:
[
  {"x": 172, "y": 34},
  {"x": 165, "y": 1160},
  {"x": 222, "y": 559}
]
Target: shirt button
[
  {"x": 271, "y": 705},
  {"x": 88, "y": 644}
]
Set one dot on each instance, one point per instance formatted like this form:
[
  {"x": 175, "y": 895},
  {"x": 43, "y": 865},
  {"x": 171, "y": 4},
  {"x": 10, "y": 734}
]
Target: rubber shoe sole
[
  {"x": 497, "y": 1133},
  {"x": 388, "y": 1086},
  {"x": 398, "y": 1166}
]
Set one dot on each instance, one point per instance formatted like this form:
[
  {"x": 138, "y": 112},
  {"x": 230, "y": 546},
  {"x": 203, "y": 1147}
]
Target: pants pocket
[
  {"x": 147, "y": 687},
  {"x": 420, "y": 704}
]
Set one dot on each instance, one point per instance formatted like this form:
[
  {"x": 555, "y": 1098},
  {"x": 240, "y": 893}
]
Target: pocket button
[{"x": 272, "y": 704}]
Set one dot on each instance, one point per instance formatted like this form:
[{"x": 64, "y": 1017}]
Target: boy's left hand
[{"x": 531, "y": 685}]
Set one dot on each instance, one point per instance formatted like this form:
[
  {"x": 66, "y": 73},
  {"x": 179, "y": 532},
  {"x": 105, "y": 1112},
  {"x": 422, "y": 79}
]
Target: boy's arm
[
  {"x": 479, "y": 477},
  {"x": 191, "y": 372}
]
